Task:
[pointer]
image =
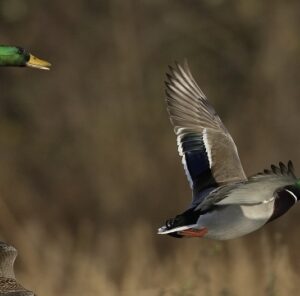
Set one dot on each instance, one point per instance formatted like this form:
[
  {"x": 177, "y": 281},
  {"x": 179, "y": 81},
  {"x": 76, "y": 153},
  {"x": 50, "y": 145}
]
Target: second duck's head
[{"x": 19, "y": 57}]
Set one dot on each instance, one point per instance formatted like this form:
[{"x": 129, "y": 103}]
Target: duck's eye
[{"x": 21, "y": 50}]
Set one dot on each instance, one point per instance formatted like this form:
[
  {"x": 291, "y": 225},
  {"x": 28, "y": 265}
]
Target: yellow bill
[{"x": 35, "y": 62}]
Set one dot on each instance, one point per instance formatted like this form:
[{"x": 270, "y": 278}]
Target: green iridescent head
[{"x": 18, "y": 57}]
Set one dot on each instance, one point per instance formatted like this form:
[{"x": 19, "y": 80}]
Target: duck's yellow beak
[{"x": 35, "y": 62}]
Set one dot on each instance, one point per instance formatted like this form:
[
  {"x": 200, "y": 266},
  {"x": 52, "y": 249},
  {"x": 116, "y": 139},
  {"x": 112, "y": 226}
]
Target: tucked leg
[{"x": 193, "y": 232}]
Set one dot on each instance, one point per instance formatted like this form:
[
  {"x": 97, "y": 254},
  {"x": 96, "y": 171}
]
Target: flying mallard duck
[
  {"x": 19, "y": 57},
  {"x": 8, "y": 282},
  {"x": 225, "y": 203}
]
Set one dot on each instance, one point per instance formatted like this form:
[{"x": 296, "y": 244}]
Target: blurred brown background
[{"x": 88, "y": 160}]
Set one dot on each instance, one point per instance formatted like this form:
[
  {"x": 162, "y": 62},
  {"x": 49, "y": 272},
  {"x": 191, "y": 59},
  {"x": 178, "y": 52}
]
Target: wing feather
[
  {"x": 210, "y": 156},
  {"x": 258, "y": 189}
]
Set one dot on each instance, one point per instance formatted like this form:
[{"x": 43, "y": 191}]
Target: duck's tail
[
  {"x": 184, "y": 231},
  {"x": 184, "y": 225}
]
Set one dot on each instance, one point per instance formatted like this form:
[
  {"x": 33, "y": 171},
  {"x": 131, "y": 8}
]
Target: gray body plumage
[
  {"x": 225, "y": 202},
  {"x": 243, "y": 207}
]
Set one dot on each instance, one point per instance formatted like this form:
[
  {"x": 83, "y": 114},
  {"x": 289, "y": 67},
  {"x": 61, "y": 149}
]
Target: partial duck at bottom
[{"x": 8, "y": 284}]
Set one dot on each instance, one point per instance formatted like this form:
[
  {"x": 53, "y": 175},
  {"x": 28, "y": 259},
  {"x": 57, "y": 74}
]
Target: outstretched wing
[{"x": 209, "y": 154}]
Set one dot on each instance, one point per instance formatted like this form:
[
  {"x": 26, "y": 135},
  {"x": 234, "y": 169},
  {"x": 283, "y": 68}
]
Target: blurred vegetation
[{"x": 88, "y": 160}]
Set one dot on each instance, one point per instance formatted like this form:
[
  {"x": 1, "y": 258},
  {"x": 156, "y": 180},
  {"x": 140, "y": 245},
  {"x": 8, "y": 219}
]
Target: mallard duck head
[{"x": 19, "y": 57}]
